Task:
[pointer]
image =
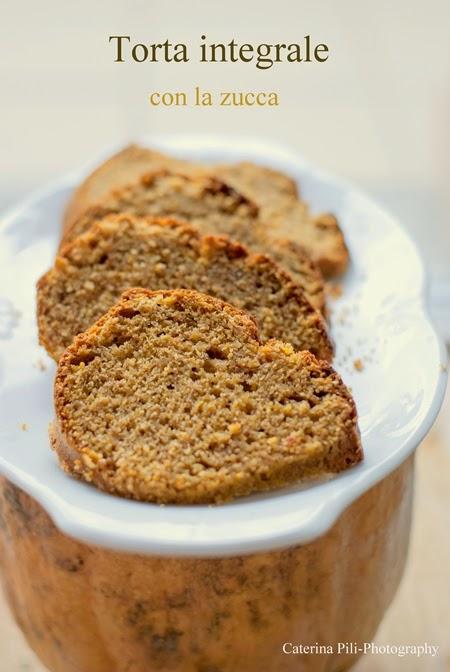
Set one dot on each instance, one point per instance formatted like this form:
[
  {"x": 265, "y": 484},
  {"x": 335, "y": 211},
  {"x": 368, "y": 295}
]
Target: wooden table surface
[{"x": 421, "y": 610}]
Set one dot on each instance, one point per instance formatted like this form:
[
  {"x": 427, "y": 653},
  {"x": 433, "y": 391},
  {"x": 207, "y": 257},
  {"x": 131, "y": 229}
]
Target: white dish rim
[{"x": 345, "y": 492}]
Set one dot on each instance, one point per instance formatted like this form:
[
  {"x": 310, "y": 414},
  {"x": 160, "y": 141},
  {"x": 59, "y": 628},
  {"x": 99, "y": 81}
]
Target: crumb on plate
[{"x": 358, "y": 364}]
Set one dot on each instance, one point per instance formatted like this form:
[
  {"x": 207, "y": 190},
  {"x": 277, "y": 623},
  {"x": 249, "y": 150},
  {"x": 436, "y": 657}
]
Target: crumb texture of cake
[
  {"x": 212, "y": 206},
  {"x": 170, "y": 397},
  {"x": 261, "y": 184},
  {"x": 122, "y": 168},
  {"x": 266, "y": 186},
  {"x": 303, "y": 270},
  {"x": 204, "y": 201},
  {"x": 282, "y": 214},
  {"x": 319, "y": 235},
  {"x": 122, "y": 251}
]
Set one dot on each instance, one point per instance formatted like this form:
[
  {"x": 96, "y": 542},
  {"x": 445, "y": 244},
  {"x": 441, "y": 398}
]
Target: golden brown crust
[
  {"x": 127, "y": 165},
  {"x": 320, "y": 236},
  {"x": 319, "y": 433},
  {"x": 285, "y": 217},
  {"x": 81, "y": 286},
  {"x": 305, "y": 272},
  {"x": 282, "y": 214},
  {"x": 133, "y": 162},
  {"x": 264, "y": 185},
  {"x": 212, "y": 206},
  {"x": 165, "y": 193}
]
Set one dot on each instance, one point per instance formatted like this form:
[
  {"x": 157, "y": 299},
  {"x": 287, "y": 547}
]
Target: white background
[{"x": 378, "y": 112}]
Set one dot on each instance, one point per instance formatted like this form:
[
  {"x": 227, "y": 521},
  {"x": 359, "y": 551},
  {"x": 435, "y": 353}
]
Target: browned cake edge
[
  {"x": 73, "y": 463},
  {"x": 141, "y": 160},
  {"x": 233, "y": 250},
  {"x": 129, "y": 156},
  {"x": 332, "y": 265},
  {"x": 138, "y": 160},
  {"x": 211, "y": 185}
]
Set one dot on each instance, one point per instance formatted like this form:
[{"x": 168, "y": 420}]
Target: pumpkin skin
[{"x": 87, "y": 609}]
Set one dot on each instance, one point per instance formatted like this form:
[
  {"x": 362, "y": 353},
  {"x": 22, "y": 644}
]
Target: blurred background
[{"x": 377, "y": 113}]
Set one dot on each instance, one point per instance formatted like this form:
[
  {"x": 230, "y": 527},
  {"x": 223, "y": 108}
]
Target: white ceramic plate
[{"x": 380, "y": 319}]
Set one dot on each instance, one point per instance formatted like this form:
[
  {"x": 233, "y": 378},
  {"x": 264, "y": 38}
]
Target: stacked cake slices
[{"x": 186, "y": 310}]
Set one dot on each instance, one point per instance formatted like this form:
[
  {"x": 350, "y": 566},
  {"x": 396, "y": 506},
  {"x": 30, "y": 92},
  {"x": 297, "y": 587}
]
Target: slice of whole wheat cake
[
  {"x": 122, "y": 251},
  {"x": 128, "y": 165},
  {"x": 292, "y": 257},
  {"x": 259, "y": 183},
  {"x": 266, "y": 186},
  {"x": 282, "y": 213},
  {"x": 205, "y": 201},
  {"x": 213, "y": 207},
  {"x": 171, "y": 398},
  {"x": 285, "y": 216},
  {"x": 320, "y": 236}
]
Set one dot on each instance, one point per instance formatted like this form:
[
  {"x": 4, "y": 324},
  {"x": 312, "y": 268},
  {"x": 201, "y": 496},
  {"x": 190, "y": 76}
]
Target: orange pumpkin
[{"x": 87, "y": 609}]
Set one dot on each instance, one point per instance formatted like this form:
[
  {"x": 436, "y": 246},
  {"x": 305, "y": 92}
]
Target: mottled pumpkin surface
[{"x": 85, "y": 609}]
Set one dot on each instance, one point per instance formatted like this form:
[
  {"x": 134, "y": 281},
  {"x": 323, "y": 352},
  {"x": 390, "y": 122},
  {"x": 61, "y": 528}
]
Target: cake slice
[
  {"x": 320, "y": 236},
  {"x": 119, "y": 170},
  {"x": 206, "y": 202},
  {"x": 171, "y": 398},
  {"x": 292, "y": 257},
  {"x": 122, "y": 251},
  {"x": 282, "y": 214},
  {"x": 261, "y": 184},
  {"x": 266, "y": 186},
  {"x": 213, "y": 207},
  {"x": 285, "y": 216}
]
